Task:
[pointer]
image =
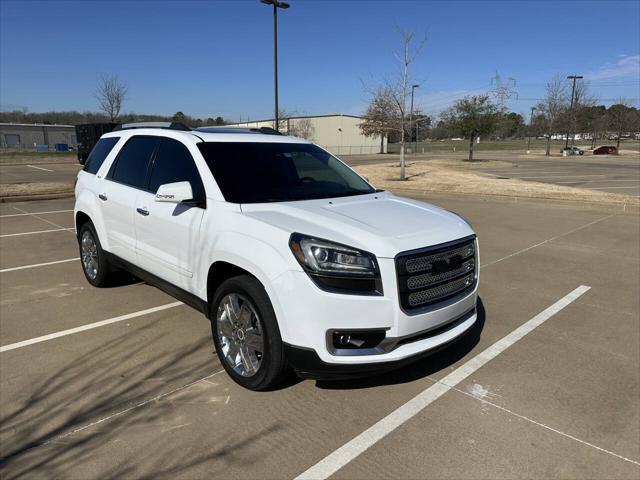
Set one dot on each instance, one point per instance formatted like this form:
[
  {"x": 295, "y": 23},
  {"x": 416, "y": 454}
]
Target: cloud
[{"x": 625, "y": 66}]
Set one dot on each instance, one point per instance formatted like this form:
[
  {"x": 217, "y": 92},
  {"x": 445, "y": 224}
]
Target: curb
[{"x": 42, "y": 196}]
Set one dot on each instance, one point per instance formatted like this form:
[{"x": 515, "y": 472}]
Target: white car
[{"x": 298, "y": 262}]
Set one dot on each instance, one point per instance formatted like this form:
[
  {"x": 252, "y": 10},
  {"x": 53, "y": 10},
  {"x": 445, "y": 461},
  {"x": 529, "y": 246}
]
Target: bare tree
[
  {"x": 302, "y": 127},
  {"x": 382, "y": 116},
  {"x": 388, "y": 108},
  {"x": 552, "y": 108},
  {"x": 409, "y": 54},
  {"x": 111, "y": 94}
]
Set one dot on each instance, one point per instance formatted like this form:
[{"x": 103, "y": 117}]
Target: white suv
[{"x": 297, "y": 260}]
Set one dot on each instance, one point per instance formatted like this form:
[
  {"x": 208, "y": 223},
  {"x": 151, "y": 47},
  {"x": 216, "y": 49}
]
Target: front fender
[{"x": 257, "y": 257}]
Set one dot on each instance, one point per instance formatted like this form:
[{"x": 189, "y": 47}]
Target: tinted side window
[
  {"x": 99, "y": 153},
  {"x": 130, "y": 167},
  {"x": 173, "y": 163}
]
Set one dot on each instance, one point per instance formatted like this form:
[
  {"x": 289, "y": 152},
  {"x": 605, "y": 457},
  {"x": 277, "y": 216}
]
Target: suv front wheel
[{"x": 246, "y": 334}]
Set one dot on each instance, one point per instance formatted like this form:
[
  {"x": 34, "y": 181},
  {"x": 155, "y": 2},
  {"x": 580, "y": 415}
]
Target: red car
[{"x": 606, "y": 150}]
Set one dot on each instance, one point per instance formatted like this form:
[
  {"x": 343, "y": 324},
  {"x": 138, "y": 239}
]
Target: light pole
[
  {"x": 276, "y": 5},
  {"x": 530, "y": 127},
  {"x": 570, "y": 123},
  {"x": 413, "y": 87}
]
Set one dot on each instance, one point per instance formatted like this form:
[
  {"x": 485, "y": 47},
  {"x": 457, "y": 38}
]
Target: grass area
[
  {"x": 39, "y": 188},
  {"x": 519, "y": 145},
  {"x": 37, "y": 157}
]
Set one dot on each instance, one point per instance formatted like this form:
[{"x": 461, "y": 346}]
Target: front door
[{"x": 168, "y": 233}]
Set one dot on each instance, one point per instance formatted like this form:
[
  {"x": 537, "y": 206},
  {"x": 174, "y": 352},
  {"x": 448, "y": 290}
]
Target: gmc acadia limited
[{"x": 298, "y": 262}]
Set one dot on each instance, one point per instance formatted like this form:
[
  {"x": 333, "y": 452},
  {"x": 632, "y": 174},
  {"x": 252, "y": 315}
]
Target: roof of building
[
  {"x": 298, "y": 117},
  {"x": 34, "y": 125}
]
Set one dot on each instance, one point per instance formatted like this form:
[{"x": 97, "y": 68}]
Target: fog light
[{"x": 356, "y": 339}]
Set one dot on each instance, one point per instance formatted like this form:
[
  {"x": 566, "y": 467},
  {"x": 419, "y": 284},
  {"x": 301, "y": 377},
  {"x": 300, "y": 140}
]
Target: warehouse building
[
  {"x": 27, "y": 136},
  {"x": 338, "y": 133}
]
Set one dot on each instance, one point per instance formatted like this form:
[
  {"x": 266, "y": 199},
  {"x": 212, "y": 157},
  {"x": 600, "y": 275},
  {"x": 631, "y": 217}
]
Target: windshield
[{"x": 279, "y": 172}]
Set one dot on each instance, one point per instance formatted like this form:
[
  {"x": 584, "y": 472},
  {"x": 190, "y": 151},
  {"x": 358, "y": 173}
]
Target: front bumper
[
  {"x": 306, "y": 314},
  {"x": 308, "y": 364}
]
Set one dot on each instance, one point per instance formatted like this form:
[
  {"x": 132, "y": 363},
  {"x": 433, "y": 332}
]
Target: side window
[
  {"x": 174, "y": 163},
  {"x": 99, "y": 153},
  {"x": 130, "y": 167}
]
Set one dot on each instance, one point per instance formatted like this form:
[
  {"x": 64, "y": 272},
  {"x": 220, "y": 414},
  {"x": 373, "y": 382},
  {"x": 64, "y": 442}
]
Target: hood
[{"x": 380, "y": 223}]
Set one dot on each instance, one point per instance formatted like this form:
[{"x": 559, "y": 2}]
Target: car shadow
[{"x": 421, "y": 368}]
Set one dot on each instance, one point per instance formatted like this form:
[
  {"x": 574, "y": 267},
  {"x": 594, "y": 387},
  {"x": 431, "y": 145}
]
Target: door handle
[
  {"x": 102, "y": 197},
  {"x": 142, "y": 211}
]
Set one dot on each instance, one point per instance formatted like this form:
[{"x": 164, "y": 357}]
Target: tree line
[
  {"x": 562, "y": 113},
  {"x": 111, "y": 94},
  {"x": 76, "y": 118}
]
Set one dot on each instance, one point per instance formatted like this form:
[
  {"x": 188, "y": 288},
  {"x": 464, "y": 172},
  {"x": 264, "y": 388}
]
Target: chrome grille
[{"x": 435, "y": 274}]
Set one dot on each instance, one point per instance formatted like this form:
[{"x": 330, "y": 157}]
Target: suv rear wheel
[
  {"x": 246, "y": 334},
  {"x": 95, "y": 265}
]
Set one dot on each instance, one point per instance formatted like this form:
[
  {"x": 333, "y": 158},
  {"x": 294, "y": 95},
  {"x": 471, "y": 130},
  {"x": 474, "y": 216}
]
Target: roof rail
[
  {"x": 233, "y": 129},
  {"x": 166, "y": 125}
]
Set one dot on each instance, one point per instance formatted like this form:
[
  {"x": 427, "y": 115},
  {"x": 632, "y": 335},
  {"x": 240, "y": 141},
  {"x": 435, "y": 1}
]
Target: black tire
[
  {"x": 273, "y": 367},
  {"x": 103, "y": 269}
]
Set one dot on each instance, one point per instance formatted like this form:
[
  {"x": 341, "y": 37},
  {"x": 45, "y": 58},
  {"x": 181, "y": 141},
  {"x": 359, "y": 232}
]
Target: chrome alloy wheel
[
  {"x": 240, "y": 334},
  {"x": 89, "y": 253}
]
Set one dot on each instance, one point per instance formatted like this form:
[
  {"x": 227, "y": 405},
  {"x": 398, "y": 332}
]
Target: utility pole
[
  {"x": 413, "y": 87},
  {"x": 573, "y": 90},
  {"x": 530, "y": 126},
  {"x": 276, "y": 4}
]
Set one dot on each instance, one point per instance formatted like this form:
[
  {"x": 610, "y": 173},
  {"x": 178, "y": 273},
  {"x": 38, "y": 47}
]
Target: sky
[{"x": 210, "y": 58}]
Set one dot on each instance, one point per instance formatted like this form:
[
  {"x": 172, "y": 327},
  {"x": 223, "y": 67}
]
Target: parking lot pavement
[
  {"x": 608, "y": 173},
  {"x": 55, "y": 172},
  {"x": 143, "y": 396}
]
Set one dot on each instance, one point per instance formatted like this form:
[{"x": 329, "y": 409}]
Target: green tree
[
  {"x": 179, "y": 117},
  {"x": 471, "y": 117}
]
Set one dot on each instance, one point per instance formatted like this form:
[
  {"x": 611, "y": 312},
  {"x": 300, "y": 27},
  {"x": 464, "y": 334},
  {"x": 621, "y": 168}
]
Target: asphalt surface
[
  {"x": 608, "y": 173},
  {"x": 143, "y": 397},
  {"x": 39, "y": 172}
]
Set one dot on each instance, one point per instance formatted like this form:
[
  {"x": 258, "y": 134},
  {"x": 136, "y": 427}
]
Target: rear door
[
  {"x": 168, "y": 233},
  {"x": 126, "y": 177}
]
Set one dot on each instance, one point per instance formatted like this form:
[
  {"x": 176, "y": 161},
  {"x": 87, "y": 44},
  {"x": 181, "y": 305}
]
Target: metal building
[
  {"x": 25, "y": 136},
  {"x": 338, "y": 133}
]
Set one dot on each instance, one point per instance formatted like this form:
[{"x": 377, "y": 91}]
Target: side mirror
[{"x": 174, "y": 192}]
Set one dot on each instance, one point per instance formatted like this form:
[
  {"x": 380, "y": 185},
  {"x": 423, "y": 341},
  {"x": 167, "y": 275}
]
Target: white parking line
[
  {"x": 33, "y": 213},
  {"x": 36, "y": 215},
  {"x": 542, "y": 425},
  {"x": 23, "y": 267},
  {"x": 37, "y": 231},
  {"x": 40, "y": 168},
  {"x": 352, "y": 449},
  {"x": 602, "y": 181},
  {"x": 560, "y": 176},
  {"x": 89, "y": 326},
  {"x": 551, "y": 239}
]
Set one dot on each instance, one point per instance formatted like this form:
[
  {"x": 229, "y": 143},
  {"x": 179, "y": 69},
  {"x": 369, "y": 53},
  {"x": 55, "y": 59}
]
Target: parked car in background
[
  {"x": 606, "y": 150},
  {"x": 572, "y": 151}
]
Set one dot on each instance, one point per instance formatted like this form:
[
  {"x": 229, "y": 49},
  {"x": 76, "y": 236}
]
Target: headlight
[{"x": 336, "y": 267}]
